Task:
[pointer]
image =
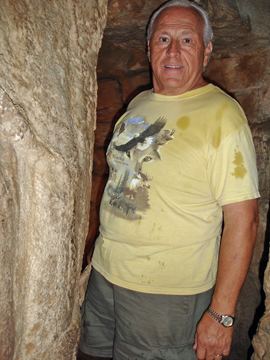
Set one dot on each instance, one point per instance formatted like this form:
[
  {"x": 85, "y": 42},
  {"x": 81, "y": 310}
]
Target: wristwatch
[{"x": 225, "y": 320}]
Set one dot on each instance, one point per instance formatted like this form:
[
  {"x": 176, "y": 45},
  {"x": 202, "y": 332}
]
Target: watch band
[
  {"x": 214, "y": 315},
  {"x": 225, "y": 320}
]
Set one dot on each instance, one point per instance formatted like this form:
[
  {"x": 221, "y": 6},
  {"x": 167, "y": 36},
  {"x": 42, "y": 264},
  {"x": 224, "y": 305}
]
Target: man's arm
[{"x": 237, "y": 244}]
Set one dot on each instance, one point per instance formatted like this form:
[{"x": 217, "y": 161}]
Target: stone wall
[
  {"x": 240, "y": 64},
  {"x": 47, "y": 117}
]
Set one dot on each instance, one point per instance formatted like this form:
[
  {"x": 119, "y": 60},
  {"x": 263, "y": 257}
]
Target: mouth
[{"x": 173, "y": 67}]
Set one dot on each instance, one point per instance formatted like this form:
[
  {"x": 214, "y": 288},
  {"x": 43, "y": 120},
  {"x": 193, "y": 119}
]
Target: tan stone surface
[{"x": 47, "y": 117}]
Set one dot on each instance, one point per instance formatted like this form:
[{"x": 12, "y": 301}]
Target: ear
[
  {"x": 148, "y": 50},
  {"x": 207, "y": 53}
]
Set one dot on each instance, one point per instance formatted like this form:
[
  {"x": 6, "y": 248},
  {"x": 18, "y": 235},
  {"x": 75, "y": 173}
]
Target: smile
[{"x": 173, "y": 66}]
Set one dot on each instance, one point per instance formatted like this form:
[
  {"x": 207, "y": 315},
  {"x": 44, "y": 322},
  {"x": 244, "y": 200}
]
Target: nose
[{"x": 174, "y": 49}]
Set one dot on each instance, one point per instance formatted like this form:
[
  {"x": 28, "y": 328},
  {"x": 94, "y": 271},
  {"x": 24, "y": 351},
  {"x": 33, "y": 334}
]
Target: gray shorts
[{"x": 130, "y": 325}]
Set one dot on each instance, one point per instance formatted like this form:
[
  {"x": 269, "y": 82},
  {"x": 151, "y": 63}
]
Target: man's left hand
[{"x": 212, "y": 339}]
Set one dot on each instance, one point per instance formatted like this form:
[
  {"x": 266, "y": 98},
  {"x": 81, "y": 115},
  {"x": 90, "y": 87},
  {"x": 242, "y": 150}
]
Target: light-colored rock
[
  {"x": 47, "y": 117},
  {"x": 261, "y": 341}
]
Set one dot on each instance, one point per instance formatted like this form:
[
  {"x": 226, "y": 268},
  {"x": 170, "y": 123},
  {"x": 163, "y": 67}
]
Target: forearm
[
  {"x": 236, "y": 250},
  {"x": 234, "y": 260}
]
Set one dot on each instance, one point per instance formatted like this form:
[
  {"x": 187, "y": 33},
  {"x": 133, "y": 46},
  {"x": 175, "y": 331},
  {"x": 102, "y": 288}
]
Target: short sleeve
[{"x": 232, "y": 170}]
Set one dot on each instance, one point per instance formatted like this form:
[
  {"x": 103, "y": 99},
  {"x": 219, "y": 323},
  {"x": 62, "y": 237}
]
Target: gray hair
[{"x": 207, "y": 30}]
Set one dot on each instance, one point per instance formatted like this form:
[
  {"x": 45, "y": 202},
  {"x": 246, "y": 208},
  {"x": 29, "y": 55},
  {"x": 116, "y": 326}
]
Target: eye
[
  {"x": 163, "y": 39},
  {"x": 147, "y": 158},
  {"x": 187, "y": 40}
]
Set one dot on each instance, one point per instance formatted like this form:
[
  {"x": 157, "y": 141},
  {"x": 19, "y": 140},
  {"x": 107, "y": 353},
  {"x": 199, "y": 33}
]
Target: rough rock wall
[
  {"x": 240, "y": 64},
  {"x": 48, "y": 62}
]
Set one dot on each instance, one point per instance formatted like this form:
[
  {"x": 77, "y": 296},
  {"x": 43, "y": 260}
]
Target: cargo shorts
[{"x": 130, "y": 325}]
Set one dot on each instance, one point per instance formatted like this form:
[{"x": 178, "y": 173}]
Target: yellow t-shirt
[{"x": 174, "y": 162}]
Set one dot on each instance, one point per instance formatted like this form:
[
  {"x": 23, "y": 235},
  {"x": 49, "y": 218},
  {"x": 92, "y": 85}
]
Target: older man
[{"x": 165, "y": 282}]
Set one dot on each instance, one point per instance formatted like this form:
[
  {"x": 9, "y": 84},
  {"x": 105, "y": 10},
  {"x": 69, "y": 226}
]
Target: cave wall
[
  {"x": 240, "y": 64},
  {"x": 48, "y": 60}
]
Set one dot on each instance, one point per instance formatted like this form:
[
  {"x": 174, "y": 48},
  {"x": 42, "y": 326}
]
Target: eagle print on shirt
[{"x": 134, "y": 144}]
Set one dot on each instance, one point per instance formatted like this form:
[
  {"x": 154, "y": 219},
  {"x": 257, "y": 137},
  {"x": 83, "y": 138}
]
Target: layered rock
[{"x": 47, "y": 118}]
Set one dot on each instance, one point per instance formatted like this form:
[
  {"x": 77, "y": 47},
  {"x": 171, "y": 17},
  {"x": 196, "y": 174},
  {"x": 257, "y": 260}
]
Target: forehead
[{"x": 179, "y": 17}]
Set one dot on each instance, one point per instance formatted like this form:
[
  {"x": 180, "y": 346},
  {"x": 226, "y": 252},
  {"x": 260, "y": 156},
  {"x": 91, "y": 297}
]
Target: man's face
[{"x": 176, "y": 51}]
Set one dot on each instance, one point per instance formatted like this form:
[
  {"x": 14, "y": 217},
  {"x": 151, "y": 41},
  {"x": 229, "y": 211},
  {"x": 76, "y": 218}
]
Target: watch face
[{"x": 227, "y": 321}]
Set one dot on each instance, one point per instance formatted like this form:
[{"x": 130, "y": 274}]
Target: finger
[
  {"x": 200, "y": 353},
  {"x": 218, "y": 356},
  {"x": 227, "y": 347},
  {"x": 195, "y": 342}
]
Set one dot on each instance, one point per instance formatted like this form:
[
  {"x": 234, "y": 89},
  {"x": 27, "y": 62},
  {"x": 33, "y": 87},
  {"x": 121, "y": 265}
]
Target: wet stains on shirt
[
  {"x": 183, "y": 122},
  {"x": 240, "y": 171}
]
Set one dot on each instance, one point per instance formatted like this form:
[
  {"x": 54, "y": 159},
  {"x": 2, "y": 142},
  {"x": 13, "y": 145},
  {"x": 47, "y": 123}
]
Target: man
[{"x": 165, "y": 284}]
